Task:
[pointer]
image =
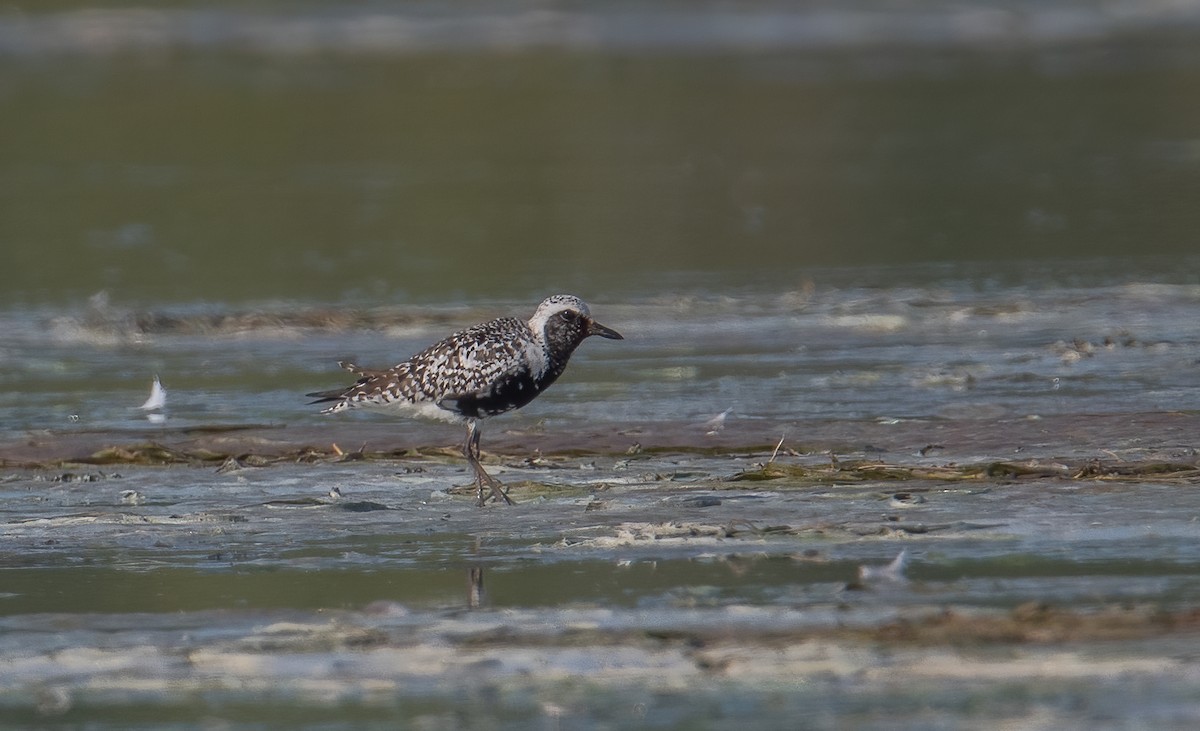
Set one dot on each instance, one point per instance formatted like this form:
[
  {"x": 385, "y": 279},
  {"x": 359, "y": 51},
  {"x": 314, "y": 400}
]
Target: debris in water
[
  {"x": 905, "y": 500},
  {"x": 775, "y": 453},
  {"x": 894, "y": 571},
  {"x": 231, "y": 464},
  {"x": 715, "y": 425}
]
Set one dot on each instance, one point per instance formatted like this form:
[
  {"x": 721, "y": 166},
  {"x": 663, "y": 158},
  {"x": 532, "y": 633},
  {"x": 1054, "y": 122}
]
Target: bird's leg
[{"x": 471, "y": 452}]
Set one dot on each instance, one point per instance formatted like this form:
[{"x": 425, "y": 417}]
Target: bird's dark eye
[{"x": 570, "y": 316}]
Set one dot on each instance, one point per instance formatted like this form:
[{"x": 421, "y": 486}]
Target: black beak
[{"x": 595, "y": 328}]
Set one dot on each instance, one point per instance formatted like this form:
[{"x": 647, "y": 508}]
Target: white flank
[{"x": 535, "y": 355}]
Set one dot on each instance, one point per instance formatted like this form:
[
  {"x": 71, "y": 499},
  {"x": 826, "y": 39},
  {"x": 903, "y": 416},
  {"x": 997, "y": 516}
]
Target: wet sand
[
  {"x": 653, "y": 574},
  {"x": 1074, "y": 439}
]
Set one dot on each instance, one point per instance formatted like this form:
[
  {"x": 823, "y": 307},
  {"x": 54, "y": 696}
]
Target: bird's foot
[{"x": 496, "y": 487}]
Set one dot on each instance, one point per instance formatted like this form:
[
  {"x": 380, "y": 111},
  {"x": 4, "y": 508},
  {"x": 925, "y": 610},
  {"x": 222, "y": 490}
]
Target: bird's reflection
[{"x": 475, "y": 594}]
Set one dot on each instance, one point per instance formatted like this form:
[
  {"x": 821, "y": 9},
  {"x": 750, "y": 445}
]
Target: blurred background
[{"x": 388, "y": 152}]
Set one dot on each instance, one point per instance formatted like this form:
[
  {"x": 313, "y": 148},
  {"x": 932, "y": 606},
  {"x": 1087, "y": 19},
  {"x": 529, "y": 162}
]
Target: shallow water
[
  {"x": 922, "y": 342},
  {"x": 892, "y": 282},
  {"x": 207, "y": 590}
]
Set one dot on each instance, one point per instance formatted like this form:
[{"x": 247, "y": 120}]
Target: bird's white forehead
[{"x": 557, "y": 303}]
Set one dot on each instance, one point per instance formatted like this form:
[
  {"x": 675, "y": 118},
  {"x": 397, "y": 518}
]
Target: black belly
[{"x": 511, "y": 392}]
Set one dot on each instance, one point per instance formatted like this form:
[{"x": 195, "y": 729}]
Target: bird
[{"x": 477, "y": 373}]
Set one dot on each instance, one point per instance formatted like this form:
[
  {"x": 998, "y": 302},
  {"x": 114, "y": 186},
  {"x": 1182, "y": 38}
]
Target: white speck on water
[
  {"x": 894, "y": 571},
  {"x": 158, "y": 397}
]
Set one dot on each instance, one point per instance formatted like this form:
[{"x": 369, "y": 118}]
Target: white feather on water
[
  {"x": 158, "y": 397},
  {"x": 156, "y": 403},
  {"x": 894, "y": 571},
  {"x": 717, "y": 423}
]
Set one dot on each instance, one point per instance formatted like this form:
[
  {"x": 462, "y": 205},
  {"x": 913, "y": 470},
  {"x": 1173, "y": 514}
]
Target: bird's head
[{"x": 565, "y": 320}]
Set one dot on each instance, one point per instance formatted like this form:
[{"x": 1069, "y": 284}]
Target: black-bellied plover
[{"x": 476, "y": 373}]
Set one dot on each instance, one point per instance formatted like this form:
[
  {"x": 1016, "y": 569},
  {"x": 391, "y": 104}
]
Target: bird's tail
[
  {"x": 342, "y": 396},
  {"x": 320, "y": 397},
  {"x": 358, "y": 370}
]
